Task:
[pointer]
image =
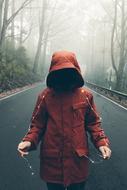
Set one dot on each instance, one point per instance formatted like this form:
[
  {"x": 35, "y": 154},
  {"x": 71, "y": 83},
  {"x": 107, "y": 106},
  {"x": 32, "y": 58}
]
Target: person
[{"x": 64, "y": 114}]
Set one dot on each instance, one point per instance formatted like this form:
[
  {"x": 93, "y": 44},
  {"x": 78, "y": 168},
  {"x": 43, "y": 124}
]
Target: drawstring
[
  {"x": 29, "y": 166},
  {"x": 98, "y": 161}
]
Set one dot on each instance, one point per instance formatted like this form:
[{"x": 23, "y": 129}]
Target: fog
[{"x": 94, "y": 29}]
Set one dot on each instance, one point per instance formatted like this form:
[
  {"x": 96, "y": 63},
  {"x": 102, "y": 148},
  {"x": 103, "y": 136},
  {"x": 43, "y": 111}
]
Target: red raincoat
[{"x": 61, "y": 122}]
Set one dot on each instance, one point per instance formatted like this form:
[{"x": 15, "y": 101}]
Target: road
[{"x": 15, "y": 113}]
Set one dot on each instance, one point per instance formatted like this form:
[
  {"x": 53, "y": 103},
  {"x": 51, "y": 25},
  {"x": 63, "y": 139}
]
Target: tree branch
[
  {"x": 24, "y": 4},
  {"x": 108, "y": 13},
  {"x": 117, "y": 38},
  {"x": 28, "y": 34}
]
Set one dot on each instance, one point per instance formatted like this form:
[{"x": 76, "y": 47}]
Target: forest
[{"x": 30, "y": 31}]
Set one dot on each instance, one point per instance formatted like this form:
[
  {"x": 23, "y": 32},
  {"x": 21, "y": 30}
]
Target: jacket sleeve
[
  {"x": 93, "y": 125},
  {"x": 37, "y": 125}
]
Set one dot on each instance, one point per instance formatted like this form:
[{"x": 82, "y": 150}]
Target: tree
[
  {"x": 46, "y": 29},
  {"x": 7, "y": 21},
  {"x": 41, "y": 32},
  {"x": 4, "y": 23},
  {"x": 118, "y": 38},
  {"x": 1, "y": 8},
  {"x": 13, "y": 24}
]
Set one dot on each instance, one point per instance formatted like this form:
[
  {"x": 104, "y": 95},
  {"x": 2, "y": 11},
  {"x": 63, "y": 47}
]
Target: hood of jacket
[{"x": 64, "y": 69}]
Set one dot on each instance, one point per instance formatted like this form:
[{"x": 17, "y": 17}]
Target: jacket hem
[{"x": 61, "y": 182}]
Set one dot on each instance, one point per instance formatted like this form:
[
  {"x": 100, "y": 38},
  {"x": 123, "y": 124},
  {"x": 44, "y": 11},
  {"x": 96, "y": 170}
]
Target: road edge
[
  {"x": 109, "y": 99},
  {"x": 19, "y": 90}
]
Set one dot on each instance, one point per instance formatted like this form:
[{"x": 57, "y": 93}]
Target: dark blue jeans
[{"x": 74, "y": 186}]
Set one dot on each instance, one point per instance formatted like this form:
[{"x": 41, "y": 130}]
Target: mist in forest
[{"x": 95, "y": 30}]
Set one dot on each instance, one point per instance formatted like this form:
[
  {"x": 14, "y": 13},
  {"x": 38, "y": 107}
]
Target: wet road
[{"x": 15, "y": 113}]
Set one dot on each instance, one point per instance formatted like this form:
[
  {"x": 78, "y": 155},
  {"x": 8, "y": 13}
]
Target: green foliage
[{"x": 15, "y": 68}]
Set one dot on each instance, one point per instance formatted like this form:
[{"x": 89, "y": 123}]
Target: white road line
[
  {"x": 109, "y": 100},
  {"x": 87, "y": 87},
  {"x": 15, "y": 93}
]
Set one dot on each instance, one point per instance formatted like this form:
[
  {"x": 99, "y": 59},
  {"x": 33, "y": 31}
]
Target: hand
[
  {"x": 106, "y": 152},
  {"x": 23, "y": 148}
]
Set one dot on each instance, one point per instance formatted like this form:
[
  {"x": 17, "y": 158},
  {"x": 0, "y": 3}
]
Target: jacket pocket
[{"x": 81, "y": 152}]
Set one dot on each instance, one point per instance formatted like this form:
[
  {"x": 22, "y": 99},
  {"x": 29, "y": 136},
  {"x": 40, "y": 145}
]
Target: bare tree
[
  {"x": 112, "y": 38},
  {"x": 7, "y": 21},
  {"x": 47, "y": 31},
  {"x": 1, "y": 8},
  {"x": 118, "y": 39},
  {"x": 21, "y": 28},
  {"x": 119, "y": 70},
  {"x": 47, "y": 36},
  {"x": 13, "y": 24},
  {"x": 41, "y": 32},
  {"x": 4, "y": 23}
]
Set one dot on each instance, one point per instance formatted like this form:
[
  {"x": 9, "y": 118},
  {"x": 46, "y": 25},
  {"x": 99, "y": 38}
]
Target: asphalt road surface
[{"x": 15, "y": 174}]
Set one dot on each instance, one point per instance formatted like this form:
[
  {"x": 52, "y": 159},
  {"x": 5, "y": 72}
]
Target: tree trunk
[
  {"x": 7, "y": 21},
  {"x": 13, "y": 25},
  {"x": 3, "y": 31},
  {"x": 21, "y": 28},
  {"x": 41, "y": 32},
  {"x": 46, "y": 37},
  {"x": 112, "y": 38},
  {"x": 44, "y": 56},
  {"x": 122, "y": 50},
  {"x": 1, "y": 11}
]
